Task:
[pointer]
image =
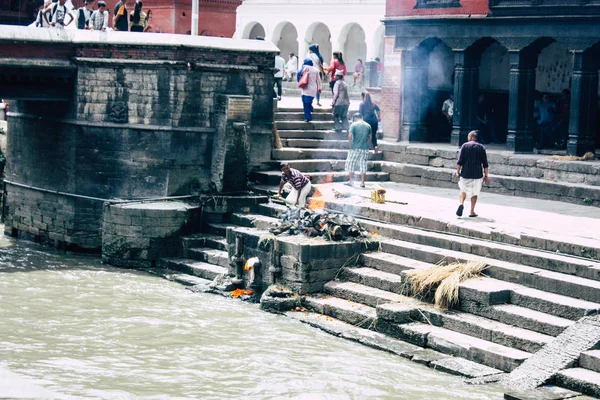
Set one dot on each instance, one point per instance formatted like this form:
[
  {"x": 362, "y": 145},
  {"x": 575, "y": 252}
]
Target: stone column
[
  {"x": 415, "y": 70},
  {"x": 466, "y": 87},
  {"x": 582, "y": 117},
  {"x": 520, "y": 103}
]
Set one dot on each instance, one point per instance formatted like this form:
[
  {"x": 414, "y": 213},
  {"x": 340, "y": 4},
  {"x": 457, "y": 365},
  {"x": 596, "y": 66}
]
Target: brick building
[{"x": 504, "y": 49}]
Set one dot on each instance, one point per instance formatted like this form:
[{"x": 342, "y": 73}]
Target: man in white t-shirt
[
  {"x": 56, "y": 14},
  {"x": 448, "y": 111},
  {"x": 279, "y": 69}
]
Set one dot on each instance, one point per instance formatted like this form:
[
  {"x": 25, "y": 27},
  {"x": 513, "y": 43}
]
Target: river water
[{"x": 88, "y": 331}]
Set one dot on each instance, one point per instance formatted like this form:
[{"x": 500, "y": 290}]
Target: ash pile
[{"x": 320, "y": 223}]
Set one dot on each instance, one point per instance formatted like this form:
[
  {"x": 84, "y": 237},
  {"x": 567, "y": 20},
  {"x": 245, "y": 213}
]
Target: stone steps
[
  {"x": 204, "y": 240},
  {"x": 309, "y": 134},
  {"x": 581, "y": 380},
  {"x": 590, "y": 360},
  {"x": 367, "y": 295},
  {"x": 528, "y": 319},
  {"x": 254, "y": 221},
  {"x": 577, "y": 266},
  {"x": 274, "y": 177},
  {"x": 312, "y": 125},
  {"x": 529, "y": 335},
  {"x": 554, "y": 282},
  {"x": 323, "y": 165},
  {"x": 328, "y": 143},
  {"x": 298, "y": 115},
  {"x": 210, "y": 256},
  {"x": 193, "y": 267},
  {"x": 521, "y": 186},
  {"x": 293, "y": 153},
  {"x": 272, "y": 210},
  {"x": 353, "y": 313},
  {"x": 457, "y": 344}
]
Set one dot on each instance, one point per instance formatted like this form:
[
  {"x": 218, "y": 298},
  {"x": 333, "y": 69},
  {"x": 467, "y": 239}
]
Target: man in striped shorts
[
  {"x": 300, "y": 185},
  {"x": 359, "y": 136}
]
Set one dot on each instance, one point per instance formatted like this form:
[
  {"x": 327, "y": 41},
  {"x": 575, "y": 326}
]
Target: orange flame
[
  {"x": 328, "y": 179},
  {"x": 238, "y": 292},
  {"x": 316, "y": 204}
]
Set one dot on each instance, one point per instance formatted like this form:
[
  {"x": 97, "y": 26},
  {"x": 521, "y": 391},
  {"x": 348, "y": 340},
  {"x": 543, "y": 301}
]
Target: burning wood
[{"x": 320, "y": 223}]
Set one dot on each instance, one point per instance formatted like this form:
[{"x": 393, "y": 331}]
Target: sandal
[
  {"x": 473, "y": 215},
  {"x": 348, "y": 184},
  {"x": 362, "y": 185}
]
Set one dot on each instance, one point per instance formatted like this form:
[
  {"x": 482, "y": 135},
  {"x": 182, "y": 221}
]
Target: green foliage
[{"x": 587, "y": 200}]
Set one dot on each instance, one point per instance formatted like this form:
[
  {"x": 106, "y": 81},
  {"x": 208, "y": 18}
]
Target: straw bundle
[
  {"x": 587, "y": 156},
  {"x": 445, "y": 279}
]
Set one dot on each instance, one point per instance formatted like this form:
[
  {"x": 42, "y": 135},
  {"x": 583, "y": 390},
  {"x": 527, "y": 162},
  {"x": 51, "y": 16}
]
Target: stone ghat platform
[{"x": 526, "y": 175}]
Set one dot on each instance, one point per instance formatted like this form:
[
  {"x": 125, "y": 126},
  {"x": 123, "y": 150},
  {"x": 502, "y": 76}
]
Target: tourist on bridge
[
  {"x": 336, "y": 65},
  {"x": 120, "y": 22},
  {"x": 56, "y": 13},
  {"x": 138, "y": 21},
  {"x": 291, "y": 68},
  {"x": 341, "y": 103},
  {"x": 300, "y": 185},
  {"x": 311, "y": 89},
  {"x": 99, "y": 19},
  {"x": 84, "y": 14},
  {"x": 359, "y": 136},
  {"x": 317, "y": 60},
  {"x": 279, "y": 70},
  {"x": 471, "y": 172},
  {"x": 40, "y": 21},
  {"x": 371, "y": 115}
]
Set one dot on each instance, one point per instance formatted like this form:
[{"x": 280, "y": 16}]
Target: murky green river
[{"x": 87, "y": 331}]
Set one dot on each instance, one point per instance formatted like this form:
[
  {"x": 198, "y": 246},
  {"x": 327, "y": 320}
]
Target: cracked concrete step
[
  {"x": 391, "y": 263},
  {"x": 528, "y": 319},
  {"x": 254, "y": 221},
  {"x": 479, "y": 293},
  {"x": 537, "y": 278},
  {"x": 459, "y": 345},
  {"x": 272, "y": 210},
  {"x": 298, "y": 115},
  {"x": 328, "y": 143},
  {"x": 370, "y": 296},
  {"x": 486, "y": 329},
  {"x": 576, "y": 266},
  {"x": 274, "y": 177},
  {"x": 323, "y": 165},
  {"x": 292, "y": 153},
  {"x": 581, "y": 380},
  {"x": 193, "y": 267},
  {"x": 312, "y": 125},
  {"x": 348, "y": 311},
  {"x": 374, "y": 278},
  {"x": 210, "y": 256},
  {"x": 204, "y": 240},
  {"x": 590, "y": 360}
]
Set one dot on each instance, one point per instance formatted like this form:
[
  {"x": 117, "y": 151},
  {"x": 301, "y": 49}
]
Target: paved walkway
[{"x": 512, "y": 215}]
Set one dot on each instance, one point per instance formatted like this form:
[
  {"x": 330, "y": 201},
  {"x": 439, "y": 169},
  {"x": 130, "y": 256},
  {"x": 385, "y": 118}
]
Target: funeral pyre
[{"x": 328, "y": 225}]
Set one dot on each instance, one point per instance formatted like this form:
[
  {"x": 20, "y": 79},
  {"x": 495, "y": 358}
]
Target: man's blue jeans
[{"x": 308, "y": 107}]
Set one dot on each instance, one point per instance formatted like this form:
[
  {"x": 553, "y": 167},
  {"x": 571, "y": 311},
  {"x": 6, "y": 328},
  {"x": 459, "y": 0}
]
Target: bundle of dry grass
[
  {"x": 587, "y": 156},
  {"x": 445, "y": 279},
  {"x": 277, "y": 144}
]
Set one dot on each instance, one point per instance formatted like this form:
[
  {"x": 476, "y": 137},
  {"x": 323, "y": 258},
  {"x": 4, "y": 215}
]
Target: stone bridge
[{"x": 99, "y": 116}]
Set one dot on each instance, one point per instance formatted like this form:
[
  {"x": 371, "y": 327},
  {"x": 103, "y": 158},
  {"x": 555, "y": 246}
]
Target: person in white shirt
[
  {"x": 291, "y": 68},
  {"x": 448, "y": 111},
  {"x": 40, "y": 22},
  {"x": 99, "y": 19},
  {"x": 84, "y": 14},
  {"x": 56, "y": 14},
  {"x": 279, "y": 69}
]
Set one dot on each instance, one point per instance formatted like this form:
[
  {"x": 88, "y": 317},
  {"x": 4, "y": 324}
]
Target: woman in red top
[{"x": 336, "y": 64}]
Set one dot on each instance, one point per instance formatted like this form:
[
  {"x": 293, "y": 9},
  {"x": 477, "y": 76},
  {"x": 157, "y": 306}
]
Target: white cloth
[
  {"x": 303, "y": 193},
  {"x": 471, "y": 187},
  {"x": 448, "y": 107},
  {"x": 314, "y": 82},
  {"x": 292, "y": 66},
  {"x": 280, "y": 65}
]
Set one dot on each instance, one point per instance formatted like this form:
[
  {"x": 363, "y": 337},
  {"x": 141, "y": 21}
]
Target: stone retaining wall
[
  {"x": 136, "y": 235},
  {"x": 306, "y": 264}
]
